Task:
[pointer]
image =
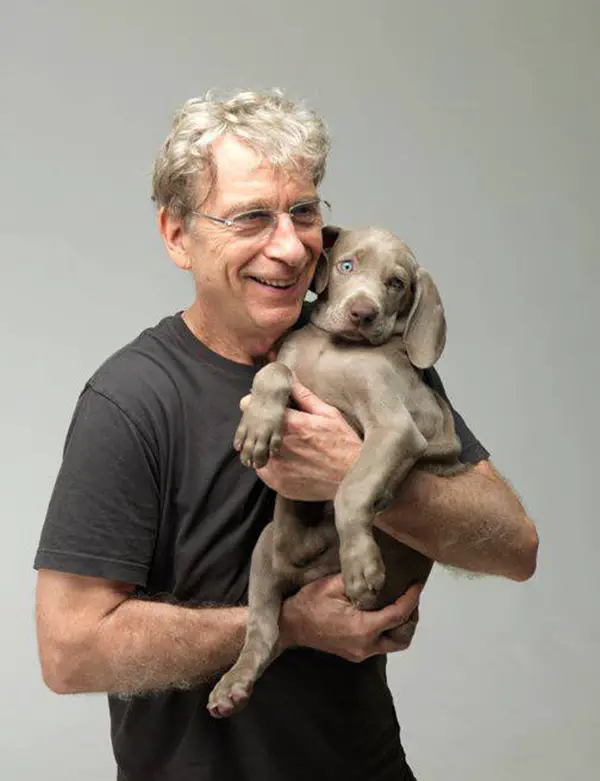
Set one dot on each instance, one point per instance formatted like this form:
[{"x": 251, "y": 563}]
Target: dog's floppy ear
[
  {"x": 320, "y": 279},
  {"x": 425, "y": 330}
]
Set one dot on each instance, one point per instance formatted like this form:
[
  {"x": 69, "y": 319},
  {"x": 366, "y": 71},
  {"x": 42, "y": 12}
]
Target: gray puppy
[{"x": 377, "y": 323}]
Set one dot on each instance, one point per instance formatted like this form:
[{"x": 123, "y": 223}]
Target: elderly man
[{"x": 144, "y": 554}]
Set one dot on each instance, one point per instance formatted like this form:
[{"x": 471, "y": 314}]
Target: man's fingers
[
  {"x": 308, "y": 402},
  {"x": 294, "y": 421},
  {"x": 385, "y": 645},
  {"x": 333, "y": 586},
  {"x": 399, "y": 611}
]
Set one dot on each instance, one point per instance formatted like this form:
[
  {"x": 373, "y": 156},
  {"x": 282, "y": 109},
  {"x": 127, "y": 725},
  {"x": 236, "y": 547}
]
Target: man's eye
[
  {"x": 251, "y": 218},
  {"x": 347, "y": 266},
  {"x": 305, "y": 212},
  {"x": 253, "y": 223}
]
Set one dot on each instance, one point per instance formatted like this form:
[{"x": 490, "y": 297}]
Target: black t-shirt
[{"x": 151, "y": 492}]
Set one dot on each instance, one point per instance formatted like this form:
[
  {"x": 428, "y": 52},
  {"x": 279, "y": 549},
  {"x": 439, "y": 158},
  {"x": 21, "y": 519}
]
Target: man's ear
[
  {"x": 320, "y": 279},
  {"x": 175, "y": 238}
]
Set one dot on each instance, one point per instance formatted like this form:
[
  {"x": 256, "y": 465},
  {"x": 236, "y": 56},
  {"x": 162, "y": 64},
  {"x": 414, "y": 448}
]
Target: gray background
[{"x": 469, "y": 128}]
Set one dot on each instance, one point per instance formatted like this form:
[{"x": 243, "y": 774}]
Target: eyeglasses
[{"x": 261, "y": 222}]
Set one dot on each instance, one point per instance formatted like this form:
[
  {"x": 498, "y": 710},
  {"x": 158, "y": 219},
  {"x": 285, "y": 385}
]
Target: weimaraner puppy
[{"x": 378, "y": 321}]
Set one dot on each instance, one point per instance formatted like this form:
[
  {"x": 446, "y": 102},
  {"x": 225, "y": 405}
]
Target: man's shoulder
[{"x": 140, "y": 373}]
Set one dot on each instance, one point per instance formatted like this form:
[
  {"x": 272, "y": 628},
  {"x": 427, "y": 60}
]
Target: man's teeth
[{"x": 274, "y": 282}]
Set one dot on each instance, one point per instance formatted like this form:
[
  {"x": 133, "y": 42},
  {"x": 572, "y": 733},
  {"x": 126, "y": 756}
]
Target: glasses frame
[{"x": 232, "y": 223}]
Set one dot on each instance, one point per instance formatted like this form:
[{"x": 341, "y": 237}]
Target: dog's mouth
[
  {"x": 372, "y": 333},
  {"x": 356, "y": 334}
]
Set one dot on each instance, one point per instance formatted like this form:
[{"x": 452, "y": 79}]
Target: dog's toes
[
  {"x": 248, "y": 453},
  {"x": 228, "y": 697},
  {"x": 267, "y": 446},
  {"x": 239, "y": 438},
  {"x": 260, "y": 455},
  {"x": 275, "y": 445},
  {"x": 364, "y": 574},
  {"x": 257, "y": 445}
]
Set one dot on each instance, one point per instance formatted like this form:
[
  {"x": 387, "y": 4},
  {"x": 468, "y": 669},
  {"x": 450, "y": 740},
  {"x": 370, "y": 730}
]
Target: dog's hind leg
[{"x": 261, "y": 645}]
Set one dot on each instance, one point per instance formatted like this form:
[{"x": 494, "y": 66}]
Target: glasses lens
[
  {"x": 253, "y": 223},
  {"x": 306, "y": 214}
]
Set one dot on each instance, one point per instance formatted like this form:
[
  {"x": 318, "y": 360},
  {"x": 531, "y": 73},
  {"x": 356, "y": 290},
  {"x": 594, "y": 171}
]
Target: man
[{"x": 144, "y": 555}]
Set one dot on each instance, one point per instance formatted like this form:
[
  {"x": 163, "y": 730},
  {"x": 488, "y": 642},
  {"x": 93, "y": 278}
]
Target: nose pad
[{"x": 362, "y": 311}]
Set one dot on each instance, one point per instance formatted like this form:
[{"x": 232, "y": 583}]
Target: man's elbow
[
  {"x": 61, "y": 668},
  {"x": 526, "y": 557},
  {"x": 57, "y": 684}
]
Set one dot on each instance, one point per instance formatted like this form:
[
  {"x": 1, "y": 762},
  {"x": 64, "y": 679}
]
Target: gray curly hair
[{"x": 287, "y": 134}]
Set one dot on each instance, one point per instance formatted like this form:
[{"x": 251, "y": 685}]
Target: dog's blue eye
[{"x": 346, "y": 266}]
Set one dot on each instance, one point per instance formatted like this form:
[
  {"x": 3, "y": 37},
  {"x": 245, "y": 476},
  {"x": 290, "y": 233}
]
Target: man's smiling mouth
[{"x": 283, "y": 284}]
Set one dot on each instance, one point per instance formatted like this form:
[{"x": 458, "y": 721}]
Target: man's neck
[{"x": 251, "y": 350}]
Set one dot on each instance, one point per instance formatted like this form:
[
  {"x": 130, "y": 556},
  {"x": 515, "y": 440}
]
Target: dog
[{"x": 377, "y": 323}]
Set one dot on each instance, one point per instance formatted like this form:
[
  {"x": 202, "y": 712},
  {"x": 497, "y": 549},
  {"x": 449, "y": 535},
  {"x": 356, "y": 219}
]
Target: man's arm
[
  {"x": 93, "y": 636},
  {"x": 96, "y": 545},
  {"x": 473, "y": 521}
]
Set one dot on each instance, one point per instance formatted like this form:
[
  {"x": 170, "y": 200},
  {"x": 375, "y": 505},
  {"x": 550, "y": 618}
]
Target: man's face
[{"x": 233, "y": 272}]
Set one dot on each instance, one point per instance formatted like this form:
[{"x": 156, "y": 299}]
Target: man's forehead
[
  {"x": 233, "y": 158},
  {"x": 243, "y": 174}
]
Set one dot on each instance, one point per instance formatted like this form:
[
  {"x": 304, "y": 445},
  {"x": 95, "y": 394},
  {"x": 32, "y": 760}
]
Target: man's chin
[{"x": 280, "y": 317}]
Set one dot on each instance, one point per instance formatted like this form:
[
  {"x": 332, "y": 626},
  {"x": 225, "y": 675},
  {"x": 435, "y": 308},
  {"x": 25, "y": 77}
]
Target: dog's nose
[{"x": 363, "y": 311}]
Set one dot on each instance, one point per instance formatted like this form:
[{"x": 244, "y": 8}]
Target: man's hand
[
  {"x": 318, "y": 449},
  {"x": 320, "y": 616}
]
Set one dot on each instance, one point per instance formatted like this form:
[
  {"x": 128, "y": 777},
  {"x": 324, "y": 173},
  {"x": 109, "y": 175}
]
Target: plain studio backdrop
[{"x": 469, "y": 128}]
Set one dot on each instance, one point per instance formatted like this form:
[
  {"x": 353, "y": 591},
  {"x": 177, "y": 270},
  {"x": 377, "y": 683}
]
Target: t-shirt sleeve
[
  {"x": 472, "y": 449},
  {"x": 103, "y": 514}
]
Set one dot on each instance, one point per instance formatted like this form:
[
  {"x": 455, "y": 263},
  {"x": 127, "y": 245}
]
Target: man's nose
[{"x": 284, "y": 243}]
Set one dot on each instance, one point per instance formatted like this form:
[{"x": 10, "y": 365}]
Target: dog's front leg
[
  {"x": 259, "y": 433},
  {"x": 387, "y": 455}
]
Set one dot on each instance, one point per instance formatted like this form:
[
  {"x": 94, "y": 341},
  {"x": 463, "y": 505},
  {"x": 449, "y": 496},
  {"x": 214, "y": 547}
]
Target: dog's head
[{"x": 369, "y": 287}]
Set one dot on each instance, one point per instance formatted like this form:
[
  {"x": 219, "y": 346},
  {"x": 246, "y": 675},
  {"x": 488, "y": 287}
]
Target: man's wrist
[
  {"x": 289, "y": 625},
  {"x": 347, "y": 457}
]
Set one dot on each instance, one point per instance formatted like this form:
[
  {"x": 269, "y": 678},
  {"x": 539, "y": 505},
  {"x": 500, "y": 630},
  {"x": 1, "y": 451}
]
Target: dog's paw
[
  {"x": 363, "y": 571},
  {"x": 230, "y": 695},
  {"x": 259, "y": 434},
  {"x": 403, "y": 634}
]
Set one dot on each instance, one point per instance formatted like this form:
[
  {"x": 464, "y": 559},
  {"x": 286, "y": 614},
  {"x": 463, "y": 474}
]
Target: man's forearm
[
  {"x": 473, "y": 521},
  {"x": 144, "y": 646}
]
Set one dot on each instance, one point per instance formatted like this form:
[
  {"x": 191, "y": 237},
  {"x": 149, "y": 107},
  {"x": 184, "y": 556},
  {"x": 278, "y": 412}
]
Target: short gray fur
[{"x": 377, "y": 322}]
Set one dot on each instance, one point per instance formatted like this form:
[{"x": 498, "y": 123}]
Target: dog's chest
[
  {"x": 316, "y": 362},
  {"x": 344, "y": 374}
]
